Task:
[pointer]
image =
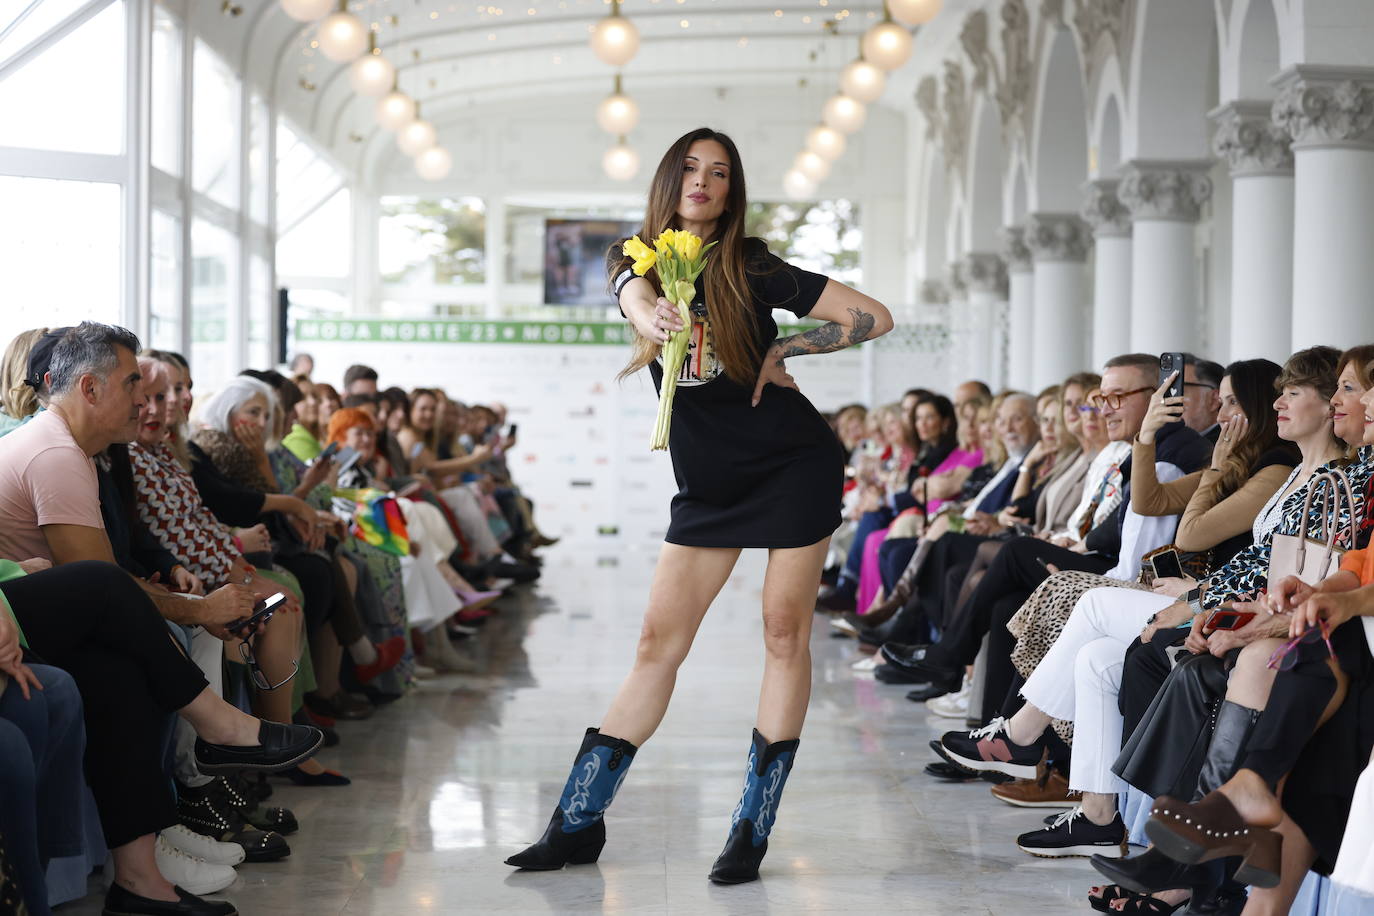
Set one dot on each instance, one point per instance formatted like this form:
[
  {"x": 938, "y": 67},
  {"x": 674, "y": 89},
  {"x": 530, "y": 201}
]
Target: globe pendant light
[
  {"x": 843, "y": 114},
  {"x": 395, "y": 110},
  {"x": 862, "y": 81},
  {"x": 620, "y": 162},
  {"x": 417, "y": 136},
  {"x": 812, "y": 166},
  {"x": 615, "y": 39},
  {"x": 797, "y": 185},
  {"x": 342, "y": 36},
  {"x": 617, "y": 114},
  {"x": 306, "y": 10},
  {"x": 826, "y": 142},
  {"x": 372, "y": 74},
  {"x": 887, "y": 44},
  {"x": 914, "y": 12},
  {"x": 434, "y": 164}
]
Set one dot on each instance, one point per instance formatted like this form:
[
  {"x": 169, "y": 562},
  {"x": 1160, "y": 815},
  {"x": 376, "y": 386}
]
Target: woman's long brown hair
[{"x": 734, "y": 329}]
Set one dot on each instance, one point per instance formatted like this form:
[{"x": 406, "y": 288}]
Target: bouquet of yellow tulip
[{"x": 679, "y": 257}]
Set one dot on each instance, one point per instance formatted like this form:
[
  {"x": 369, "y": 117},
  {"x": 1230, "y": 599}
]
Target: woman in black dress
[{"x": 756, "y": 466}]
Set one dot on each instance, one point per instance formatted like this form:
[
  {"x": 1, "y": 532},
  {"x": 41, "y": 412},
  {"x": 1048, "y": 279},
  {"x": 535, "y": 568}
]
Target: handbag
[{"x": 1312, "y": 561}]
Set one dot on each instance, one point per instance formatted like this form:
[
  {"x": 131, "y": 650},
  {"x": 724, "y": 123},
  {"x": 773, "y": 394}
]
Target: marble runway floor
[{"x": 465, "y": 770}]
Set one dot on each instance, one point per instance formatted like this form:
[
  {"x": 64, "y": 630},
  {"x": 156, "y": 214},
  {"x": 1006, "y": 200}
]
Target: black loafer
[
  {"x": 279, "y": 747},
  {"x": 942, "y": 769},
  {"x": 927, "y": 690},
  {"x": 120, "y": 902}
]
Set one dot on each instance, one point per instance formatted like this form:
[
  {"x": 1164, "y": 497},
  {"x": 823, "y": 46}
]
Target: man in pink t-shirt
[{"x": 49, "y": 493}]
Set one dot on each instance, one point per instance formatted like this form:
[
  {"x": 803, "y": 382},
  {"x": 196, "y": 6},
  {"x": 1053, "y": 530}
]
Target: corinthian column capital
[
  {"x": 1326, "y": 106},
  {"x": 1103, "y": 210},
  {"x": 1057, "y": 237},
  {"x": 984, "y": 272},
  {"x": 1249, "y": 140},
  {"x": 1165, "y": 190},
  {"x": 1014, "y": 251}
]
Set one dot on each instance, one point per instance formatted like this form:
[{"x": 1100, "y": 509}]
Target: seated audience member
[
  {"x": 304, "y": 437},
  {"x": 41, "y": 747},
  {"x": 18, "y": 398},
  {"x": 849, "y": 427},
  {"x": 302, "y": 364},
  {"x": 130, "y": 673},
  {"x": 1113, "y": 548},
  {"x": 360, "y": 379},
  {"x": 1202, "y": 396}
]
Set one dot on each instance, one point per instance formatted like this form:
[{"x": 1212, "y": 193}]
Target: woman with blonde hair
[{"x": 18, "y": 398}]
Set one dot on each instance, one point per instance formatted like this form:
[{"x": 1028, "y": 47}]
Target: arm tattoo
[{"x": 829, "y": 337}]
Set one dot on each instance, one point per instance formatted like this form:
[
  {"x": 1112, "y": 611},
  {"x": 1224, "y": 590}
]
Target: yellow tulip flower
[{"x": 644, "y": 256}]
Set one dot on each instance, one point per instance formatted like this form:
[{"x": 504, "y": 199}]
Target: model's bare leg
[
  {"x": 686, "y": 581},
  {"x": 789, "y": 600}
]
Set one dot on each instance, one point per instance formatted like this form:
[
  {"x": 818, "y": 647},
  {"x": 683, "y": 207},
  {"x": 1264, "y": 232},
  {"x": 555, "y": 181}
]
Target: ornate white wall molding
[
  {"x": 1015, "y": 253},
  {"x": 1249, "y": 140},
  {"x": 957, "y": 282},
  {"x": 1326, "y": 106},
  {"x": 1103, "y": 209},
  {"x": 1165, "y": 189},
  {"x": 928, "y": 101},
  {"x": 1009, "y": 82},
  {"x": 1057, "y": 237},
  {"x": 955, "y": 116},
  {"x": 984, "y": 272}
]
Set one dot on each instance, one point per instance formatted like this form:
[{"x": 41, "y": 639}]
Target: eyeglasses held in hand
[
  {"x": 260, "y": 679},
  {"x": 1284, "y": 657},
  {"x": 1114, "y": 401}
]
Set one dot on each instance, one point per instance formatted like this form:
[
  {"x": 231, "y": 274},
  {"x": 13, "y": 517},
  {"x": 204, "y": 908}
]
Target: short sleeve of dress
[{"x": 779, "y": 285}]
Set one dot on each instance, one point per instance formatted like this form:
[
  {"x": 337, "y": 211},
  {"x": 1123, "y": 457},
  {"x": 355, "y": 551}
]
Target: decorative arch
[
  {"x": 984, "y": 182},
  {"x": 1254, "y": 55},
  {"x": 1107, "y": 136},
  {"x": 1059, "y": 145},
  {"x": 1173, "y": 57}
]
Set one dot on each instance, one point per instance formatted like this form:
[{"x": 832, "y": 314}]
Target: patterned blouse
[
  {"x": 1248, "y": 572},
  {"x": 170, "y": 505}
]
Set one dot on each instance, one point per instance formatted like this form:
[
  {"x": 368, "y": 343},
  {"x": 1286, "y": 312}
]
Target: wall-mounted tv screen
[{"x": 575, "y": 259}]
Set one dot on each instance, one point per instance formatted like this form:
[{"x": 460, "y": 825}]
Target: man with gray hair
[{"x": 49, "y": 492}]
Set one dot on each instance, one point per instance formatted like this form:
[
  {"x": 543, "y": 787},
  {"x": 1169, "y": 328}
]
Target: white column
[
  {"x": 1329, "y": 114},
  {"x": 495, "y": 254},
  {"x": 1059, "y": 244},
  {"x": 1111, "y": 224},
  {"x": 1261, "y": 160},
  {"x": 1020, "y": 306},
  {"x": 985, "y": 276},
  {"x": 961, "y": 325},
  {"x": 1164, "y": 198}
]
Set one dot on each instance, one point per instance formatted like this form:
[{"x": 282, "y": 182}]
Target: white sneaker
[
  {"x": 951, "y": 705},
  {"x": 199, "y": 846},
  {"x": 193, "y": 875},
  {"x": 867, "y": 663},
  {"x": 424, "y": 672}
]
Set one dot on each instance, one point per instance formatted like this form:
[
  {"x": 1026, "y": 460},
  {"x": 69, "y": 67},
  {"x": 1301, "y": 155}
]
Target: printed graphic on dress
[{"x": 701, "y": 365}]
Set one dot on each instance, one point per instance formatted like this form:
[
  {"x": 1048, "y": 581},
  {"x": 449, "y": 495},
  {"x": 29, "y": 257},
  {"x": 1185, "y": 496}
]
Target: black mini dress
[{"x": 766, "y": 476}]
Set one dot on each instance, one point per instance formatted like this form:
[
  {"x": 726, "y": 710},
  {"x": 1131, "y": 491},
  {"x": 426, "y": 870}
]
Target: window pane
[
  {"x": 260, "y": 297},
  {"x": 304, "y": 177},
  {"x": 439, "y": 242},
  {"x": 212, "y": 291},
  {"x": 259, "y": 131},
  {"x": 165, "y": 279},
  {"x": 45, "y": 107},
  {"x": 48, "y": 14},
  {"x": 825, "y": 236},
  {"x": 215, "y": 146},
  {"x": 167, "y": 88},
  {"x": 50, "y": 273},
  {"x": 320, "y": 245}
]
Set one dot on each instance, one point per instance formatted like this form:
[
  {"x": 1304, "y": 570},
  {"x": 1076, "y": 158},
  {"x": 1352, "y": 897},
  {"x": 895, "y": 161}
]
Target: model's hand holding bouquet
[{"x": 678, "y": 257}]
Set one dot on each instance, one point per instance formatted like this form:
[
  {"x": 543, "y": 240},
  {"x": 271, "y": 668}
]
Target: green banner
[{"x": 387, "y": 330}]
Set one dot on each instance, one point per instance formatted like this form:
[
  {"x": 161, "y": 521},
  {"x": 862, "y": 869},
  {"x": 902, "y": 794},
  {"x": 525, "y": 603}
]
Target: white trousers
[
  {"x": 207, "y": 652},
  {"x": 1080, "y": 677},
  {"x": 472, "y": 518}
]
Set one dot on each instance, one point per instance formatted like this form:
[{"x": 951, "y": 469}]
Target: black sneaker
[
  {"x": 235, "y": 791},
  {"x": 990, "y": 749},
  {"x": 1072, "y": 834},
  {"x": 206, "y": 811}
]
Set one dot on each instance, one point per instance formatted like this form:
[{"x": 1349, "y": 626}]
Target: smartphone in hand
[
  {"x": 1169, "y": 363},
  {"x": 1228, "y": 618},
  {"x": 262, "y": 612},
  {"x": 329, "y": 452}
]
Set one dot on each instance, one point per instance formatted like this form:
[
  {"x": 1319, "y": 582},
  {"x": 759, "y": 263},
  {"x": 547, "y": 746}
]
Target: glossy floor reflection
[{"x": 465, "y": 771}]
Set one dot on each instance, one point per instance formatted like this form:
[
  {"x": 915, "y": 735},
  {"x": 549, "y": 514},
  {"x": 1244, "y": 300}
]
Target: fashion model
[{"x": 756, "y": 466}]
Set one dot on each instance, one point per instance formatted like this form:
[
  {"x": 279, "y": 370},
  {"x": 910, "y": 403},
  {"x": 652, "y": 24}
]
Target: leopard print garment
[{"x": 1041, "y": 619}]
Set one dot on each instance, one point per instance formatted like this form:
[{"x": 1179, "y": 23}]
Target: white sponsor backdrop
[{"x": 583, "y": 454}]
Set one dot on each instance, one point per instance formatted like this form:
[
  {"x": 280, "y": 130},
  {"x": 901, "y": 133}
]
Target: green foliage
[
  {"x": 824, "y": 236},
  {"x": 449, "y": 237}
]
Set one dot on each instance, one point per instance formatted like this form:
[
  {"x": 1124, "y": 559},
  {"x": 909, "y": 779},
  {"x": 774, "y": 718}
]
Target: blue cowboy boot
[
  {"x": 576, "y": 831},
  {"x": 769, "y": 765}
]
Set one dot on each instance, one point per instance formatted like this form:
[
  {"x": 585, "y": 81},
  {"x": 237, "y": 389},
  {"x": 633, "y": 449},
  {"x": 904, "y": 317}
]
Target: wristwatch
[{"x": 1194, "y": 600}]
